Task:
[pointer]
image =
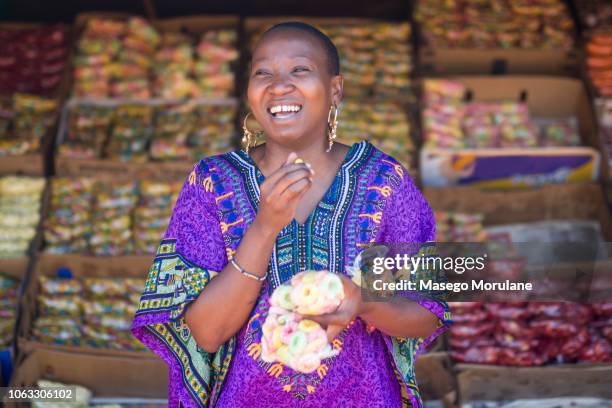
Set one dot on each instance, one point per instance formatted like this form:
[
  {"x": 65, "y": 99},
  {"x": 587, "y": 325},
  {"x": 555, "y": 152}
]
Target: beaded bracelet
[{"x": 248, "y": 274}]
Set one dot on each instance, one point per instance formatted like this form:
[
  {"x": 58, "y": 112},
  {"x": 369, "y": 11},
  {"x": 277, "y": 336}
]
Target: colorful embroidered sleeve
[
  {"x": 408, "y": 222},
  {"x": 190, "y": 255}
]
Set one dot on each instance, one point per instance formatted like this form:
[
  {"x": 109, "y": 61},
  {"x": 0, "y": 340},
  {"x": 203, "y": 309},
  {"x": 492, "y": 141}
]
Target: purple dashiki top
[{"x": 372, "y": 199}]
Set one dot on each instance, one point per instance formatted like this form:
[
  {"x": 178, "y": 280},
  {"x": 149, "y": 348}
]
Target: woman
[{"x": 246, "y": 221}]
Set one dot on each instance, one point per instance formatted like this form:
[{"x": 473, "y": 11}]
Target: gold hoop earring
[
  {"x": 248, "y": 138},
  {"x": 332, "y": 126}
]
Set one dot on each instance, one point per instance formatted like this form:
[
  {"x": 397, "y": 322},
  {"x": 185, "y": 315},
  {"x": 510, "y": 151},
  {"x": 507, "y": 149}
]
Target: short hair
[{"x": 331, "y": 52}]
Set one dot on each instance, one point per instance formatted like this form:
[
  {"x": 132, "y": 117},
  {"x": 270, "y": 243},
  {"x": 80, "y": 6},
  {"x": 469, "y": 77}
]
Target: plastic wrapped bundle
[
  {"x": 450, "y": 123},
  {"x": 134, "y": 61},
  {"x": 174, "y": 64},
  {"x": 459, "y": 227},
  {"x": 530, "y": 24},
  {"x": 131, "y": 132},
  {"x": 20, "y": 199},
  {"x": 530, "y": 333},
  {"x": 215, "y": 131},
  {"x": 384, "y": 124},
  {"x": 33, "y": 59},
  {"x": 301, "y": 343},
  {"x": 115, "y": 59},
  {"x": 152, "y": 214},
  {"x": 111, "y": 218},
  {"x": 174, "y": 126},
  {"x": 94, "y": 312},
  {"x": 30, "y": 117},
  {"x": 87, "y": 134},
  {"x": 392, "y": 58},
  {"x": 68, "y": 226},
  {"x": 98, "y": 49},
  {"x": 217, "y": 52}
]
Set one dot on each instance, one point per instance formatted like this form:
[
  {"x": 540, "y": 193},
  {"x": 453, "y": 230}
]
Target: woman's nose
[{"x": 281, "y": 84}]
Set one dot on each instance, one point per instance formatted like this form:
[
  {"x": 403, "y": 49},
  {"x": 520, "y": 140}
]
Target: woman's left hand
[{"x": 349, "y": 309}]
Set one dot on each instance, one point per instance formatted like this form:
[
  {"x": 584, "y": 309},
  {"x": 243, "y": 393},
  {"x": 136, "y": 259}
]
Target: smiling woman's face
[{"x": 291, "y": 88}]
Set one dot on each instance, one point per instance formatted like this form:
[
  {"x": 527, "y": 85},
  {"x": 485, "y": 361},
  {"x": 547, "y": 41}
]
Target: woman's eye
[
  {"x": 260, "y": 72},
  {"x": 301, "y": 69}
]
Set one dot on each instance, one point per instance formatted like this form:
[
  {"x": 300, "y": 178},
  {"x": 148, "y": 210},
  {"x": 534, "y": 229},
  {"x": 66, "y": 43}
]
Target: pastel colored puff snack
[{"x": 300, "y": 343}]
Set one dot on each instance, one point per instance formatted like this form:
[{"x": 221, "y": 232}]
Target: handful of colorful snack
[{"x": 300, "y": 343}]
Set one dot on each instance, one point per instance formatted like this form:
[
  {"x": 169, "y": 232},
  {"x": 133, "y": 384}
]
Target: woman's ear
[{"x": 337, "y": 88}]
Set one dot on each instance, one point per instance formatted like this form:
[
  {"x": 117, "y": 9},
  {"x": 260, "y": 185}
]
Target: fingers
[
  {"x": 291, "y": 178},
  {"x": 285, "y": 170}
]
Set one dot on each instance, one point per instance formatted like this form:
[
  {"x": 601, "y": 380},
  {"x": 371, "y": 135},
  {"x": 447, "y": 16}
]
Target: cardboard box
[
  {"x": 471, "y": 61},
  {"x": 81, "y": 266},
  {"x": 104, "y": 376},
  {"x": 435, "y": 376},
  {"x": 552, "y": 202},
  {"x": 546, "y": 97},
  {"x": 494, "y": 383}
]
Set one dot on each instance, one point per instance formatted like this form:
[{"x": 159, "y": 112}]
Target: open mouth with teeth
[{"x": 284, "y": 111}]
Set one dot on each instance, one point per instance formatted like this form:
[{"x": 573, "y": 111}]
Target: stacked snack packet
[
  {"x": 135, "y": 133},
  {"x": 450, "y": 122},
  {"x": 30, "y": 117},
  {"x": 215, "y": 131},
  {"x": 530, "y": 24},
  {"x": 87, "y": 132},
  {"x": 459, "y": 227},
  {"x": 300, "y": 343},
  {"x": 94, "y": 312},
  {"x": 383, "y": 123},
  {"x": 115, "y": 58},
  {"x": 111, "y": 218},
  {"x": 531, "y": 333},
  {"x": 153, "y": 213},
  {"x": 131, "y": 132},
  {"x": 68, "y": 227},
  {"x": 217, "y": 52},
  {"x": 174, "y": 63},
  {"x": 599, "y": 61},
  {"x": 174, "y": 126},
  {"x": 33, "y": 59},
  {"x": 20, "y": 199},
  {"x": 98, "y": 49}
]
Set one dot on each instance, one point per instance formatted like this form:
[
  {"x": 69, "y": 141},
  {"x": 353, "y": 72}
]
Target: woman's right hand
[{"x": 280, "y": 194}]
